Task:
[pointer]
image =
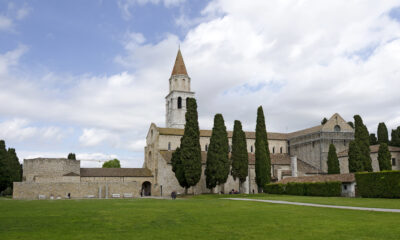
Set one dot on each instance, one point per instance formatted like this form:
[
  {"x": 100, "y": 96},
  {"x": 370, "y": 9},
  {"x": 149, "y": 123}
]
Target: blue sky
[{"x": 90, "y": 76}]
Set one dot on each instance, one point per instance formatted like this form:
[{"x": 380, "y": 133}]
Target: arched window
[
  {"x": 251, "y": 148},
  {"x": 179, "y": 102},
  {"x": 273, "y": 150},
  {"x": 151, "y": 133},
  {"x": 169, "y": 146},
  {"x": 281, "y": 149},
  {"x": 206, "y": 148},
  {"x": 337, "y": 128}
]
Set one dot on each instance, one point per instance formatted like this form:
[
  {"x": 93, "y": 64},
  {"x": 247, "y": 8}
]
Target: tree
[
  {"x": 372, "y": 139},
  {"x": 383, "y": 136},
  {"x": 112, "y": 164},
  {"x": 4, "y": 166},
  {"x": 177, "y": 168},
  {"x": 217, "y": 165},
  {"x": 324, "y": 121},
  {"x": 10, "y": 169},
  {"x": 15, "y": 166},
  {"x": 333, "y": 161},
  {"x": 355, "y": 163},
  {"x": 361, "y": 137},
  {"x": 384, "y": 157},
  {"x": 190, "y": 145},
  {"x": 263, "y": 160},
  {"x": 351, "y": 124},
  {"x": 395, "y": 141},
  {"x": 239, "y": 156},
  {"x": 72, "y": 156}
]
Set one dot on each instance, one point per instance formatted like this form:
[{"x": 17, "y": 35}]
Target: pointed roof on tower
[{"x": 179, "y": 67}]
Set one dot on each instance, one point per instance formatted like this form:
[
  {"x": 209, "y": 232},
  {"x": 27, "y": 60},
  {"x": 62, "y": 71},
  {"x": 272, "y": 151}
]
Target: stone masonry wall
[{"x": 49, "y": 167}]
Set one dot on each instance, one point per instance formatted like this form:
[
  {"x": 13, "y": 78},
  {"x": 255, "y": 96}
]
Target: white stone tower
[{"x": 179, "y": 91}]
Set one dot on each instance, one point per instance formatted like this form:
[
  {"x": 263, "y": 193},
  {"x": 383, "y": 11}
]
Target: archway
[{"x": 146, "y": 189}]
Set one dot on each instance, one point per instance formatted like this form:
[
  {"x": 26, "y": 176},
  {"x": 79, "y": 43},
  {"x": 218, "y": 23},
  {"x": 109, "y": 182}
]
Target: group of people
[{"x": 233, "y": 191}]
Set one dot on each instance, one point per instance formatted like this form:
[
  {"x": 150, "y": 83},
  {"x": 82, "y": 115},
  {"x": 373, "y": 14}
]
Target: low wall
[{"x": 32, "y": 190}]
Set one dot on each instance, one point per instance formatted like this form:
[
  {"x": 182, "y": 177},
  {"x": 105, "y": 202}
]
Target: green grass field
[{"x": 200, "y": 217}]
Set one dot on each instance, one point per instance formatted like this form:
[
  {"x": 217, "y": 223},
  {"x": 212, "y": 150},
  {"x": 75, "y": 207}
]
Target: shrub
[
  {"x": 295, "y": 189},
  {"x": 274, "y": 188},
  {"x": 384, "y": 184}
]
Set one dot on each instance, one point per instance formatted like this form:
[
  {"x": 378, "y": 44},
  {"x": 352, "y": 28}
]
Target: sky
[{"x": 90, "y": 77}]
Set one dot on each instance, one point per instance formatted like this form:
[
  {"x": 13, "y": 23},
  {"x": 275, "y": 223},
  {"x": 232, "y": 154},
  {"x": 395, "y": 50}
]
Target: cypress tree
[
  {"x": 361, "y": 136},
  {"x": 72, "y": 156},
  {"x": 177, "y": 168},
  {"x": 372, "y": 139},
  {"x": 190, "y": 145},
  {"x": 384, "y": 157},
  {"x": 217, "y": 165},
  {"x": 351, "y": 124},
  {"x": 15, "y": 166},
  {"x": 355, "y": 163},
  {"x": 263, "y": 160},
  {"x": 333, "y": 161},
  {"x": 3, "y": 166},
  {"x": 395, "y": 141},
  {"x": 383, "y": 135},
  {"x": 239, "y": 157},
  {"x": 324, "y": 121}
]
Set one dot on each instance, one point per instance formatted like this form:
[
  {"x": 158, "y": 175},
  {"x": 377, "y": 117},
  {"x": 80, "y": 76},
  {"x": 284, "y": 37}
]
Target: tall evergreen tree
[
  {"x": 384, "y": 157},
  {"x": 372, "y": 139},
  {"x": 395, "y": 141},
  {"x": 383, "y": 135},
  {"x": 72, "y": 156},
  {"x": 351, "y": 124},
  {"x": 361, "y": 136},
  {"x": 355, "y": 162},
  {"x": 263, "y": 160},
  {"x": 239, "y": 157},
  {"x": 178, "y": 169},
  {"x": 4, "y": 166},
  {"x": 333, "y": 161},
  {"x": 217, "y": 165},
  {"x": 190, "y": 145},
  {"x": 15, "y": 166},
  {"x": 324, "y": 121}
]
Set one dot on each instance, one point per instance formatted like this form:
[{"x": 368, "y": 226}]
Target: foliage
[
  {"x": 324, "y": 121},
  {"x": 383, "y": 135},
  {"x": 333, "y": 161},
  {"x": 112, "y": 164},
  {"x": 395, "y": 141},
  {"x": 72, "y": 156},
  {"x": 372, "y": 139},
  {"x": 263, "y": 159},
  {"x": 355, "y": 163},
  {"x": 384, "y": 157},
  {"x": 178, "y": 169},
  {"x": 10, "y": 169},
  {"x": 361, "y": 136},
  {"x": 190, "y": 145},
  {"x": 384, "y": 184},
  {"x": 325, "y": 189},
  {"x": 217, "y": 165},
  {"x": 351, "y": 124},
  {"x": 239, "y": 157}
]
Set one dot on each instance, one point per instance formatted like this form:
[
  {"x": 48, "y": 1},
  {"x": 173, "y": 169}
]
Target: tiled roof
[
  {"x": 372, "y": 148},
  {"x": 305, "y": 131},
  {"x": 115, "y": 172},
  {"x": 179, "y": 66},
  {"x": 348, "y": 177},
  {"x": 276, "y": 159},
  {"x": 207, "y": 133}
]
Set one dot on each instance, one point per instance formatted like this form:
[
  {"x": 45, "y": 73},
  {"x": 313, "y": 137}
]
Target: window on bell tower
[{"x": 179, "y": 102}]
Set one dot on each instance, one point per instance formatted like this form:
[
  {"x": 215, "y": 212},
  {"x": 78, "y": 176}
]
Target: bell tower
[{"x": 179, "y": 91}]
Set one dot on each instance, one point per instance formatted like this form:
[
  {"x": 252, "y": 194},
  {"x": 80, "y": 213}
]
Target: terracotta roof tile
[
  {"x": 348, "y": 177},
  {"x": 115, "y": 172},
  {"x": 179, "y": 66},
  {"x": 305, "y": 131}
]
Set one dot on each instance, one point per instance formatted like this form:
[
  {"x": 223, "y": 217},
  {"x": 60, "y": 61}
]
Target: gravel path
[{"x": 318, "y": 205}]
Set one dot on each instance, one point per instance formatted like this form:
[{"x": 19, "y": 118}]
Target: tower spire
[{"x": 179, "y": 67}]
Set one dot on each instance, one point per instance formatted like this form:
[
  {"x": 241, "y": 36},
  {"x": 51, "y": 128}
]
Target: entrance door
[{"x": 146, "y": 189}]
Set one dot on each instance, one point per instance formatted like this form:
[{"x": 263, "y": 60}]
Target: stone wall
[
  {"x": 344, "y": 162},
  {"x": 49, "y": 167}
]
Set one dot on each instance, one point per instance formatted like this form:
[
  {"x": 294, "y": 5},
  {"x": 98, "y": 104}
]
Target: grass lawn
[
  {"x": 202, "y": 217},
  {"x": 341, "y": 201}
]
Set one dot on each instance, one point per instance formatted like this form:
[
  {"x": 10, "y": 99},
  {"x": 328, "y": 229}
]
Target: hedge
[
  {"x": 325, "y": 189},
  {"x": 384, "y": 184}
]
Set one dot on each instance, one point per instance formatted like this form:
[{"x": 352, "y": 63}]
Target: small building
[
  {"x": 343, "y": 157},
  {"x": 348, "y": 181},
  {"x": 58, "y": 178}
]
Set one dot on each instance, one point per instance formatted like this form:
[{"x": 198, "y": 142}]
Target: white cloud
[
  {"x": 5, "y": 23},
  {"x": 127, "y": 5},
  {"x": 92, "y": 137},
  {"x": 11, "y": 58},
  {"x": 13, "y": 14},
  {"x": 20, "y": 130}
]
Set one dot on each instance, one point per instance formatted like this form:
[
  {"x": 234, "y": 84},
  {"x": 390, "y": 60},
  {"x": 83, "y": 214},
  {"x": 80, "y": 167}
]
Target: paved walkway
[{"x": 318, "y": 205}]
